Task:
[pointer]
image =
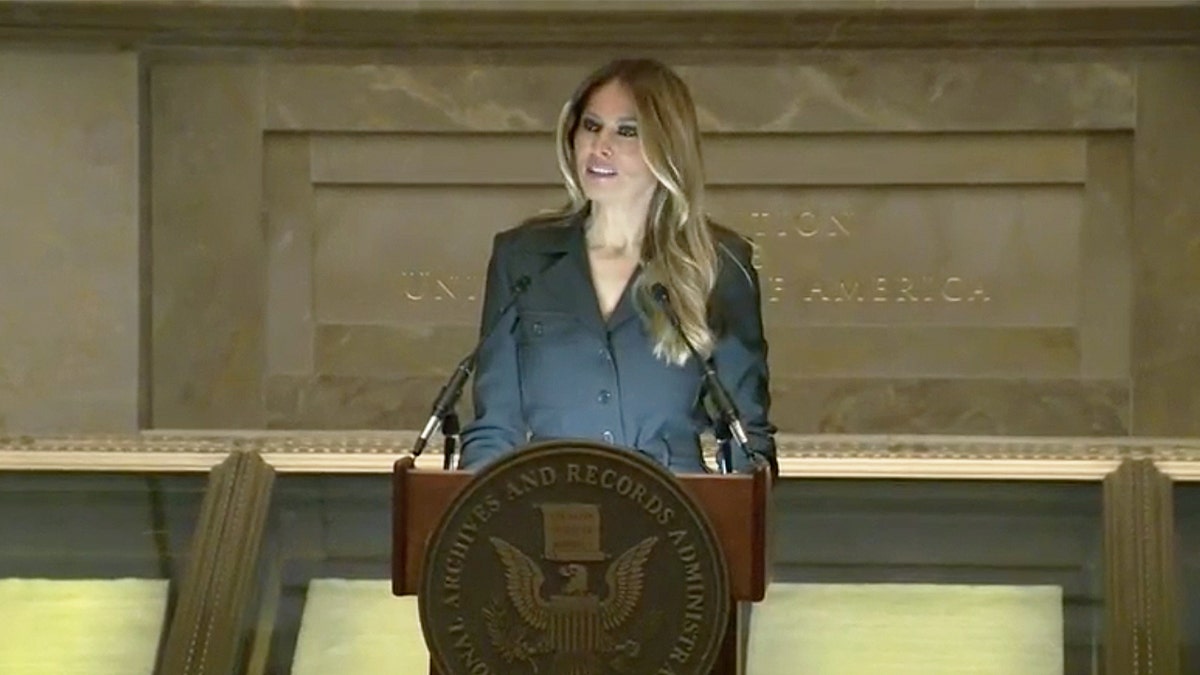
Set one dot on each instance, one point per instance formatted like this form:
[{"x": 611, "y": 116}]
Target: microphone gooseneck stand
[
  {"x": 730, "y": 426},
  {"x": 724, "y": 447},
  {"x": 444, "y": 415}
]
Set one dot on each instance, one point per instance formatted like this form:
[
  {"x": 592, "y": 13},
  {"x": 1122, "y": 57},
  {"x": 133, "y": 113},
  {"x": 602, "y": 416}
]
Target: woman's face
[{"x": 608, "y": 149}]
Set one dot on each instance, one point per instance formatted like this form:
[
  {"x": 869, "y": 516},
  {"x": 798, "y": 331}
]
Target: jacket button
[
  {"x": 537, "y": 327},
  {"x": 604, "y": 396},
  {"x": 608, "y": 436}
]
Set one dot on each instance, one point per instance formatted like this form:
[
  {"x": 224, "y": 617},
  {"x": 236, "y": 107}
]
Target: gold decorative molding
[
  {"x": 475, "y": 24},
  {"x": 801, "y": 456},
  {"x": 186, "y": 450},
  {"x": 972, "y": 457}
]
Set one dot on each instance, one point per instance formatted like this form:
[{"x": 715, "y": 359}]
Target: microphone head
[{"x": 659, "y": 293}]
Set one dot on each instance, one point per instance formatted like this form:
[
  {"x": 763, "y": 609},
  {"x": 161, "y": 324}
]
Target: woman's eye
[
  {"x": 591, "y": 125},
  {"x": 628, "y": 131}
]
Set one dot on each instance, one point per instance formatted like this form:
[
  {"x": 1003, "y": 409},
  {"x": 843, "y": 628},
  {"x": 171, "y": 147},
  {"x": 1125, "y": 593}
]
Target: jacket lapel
[
  {"x": 565, "y": 280},
  {"x": 626, "y": 308}
]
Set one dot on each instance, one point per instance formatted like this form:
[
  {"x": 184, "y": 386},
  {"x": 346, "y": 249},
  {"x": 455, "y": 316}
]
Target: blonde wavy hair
[{"x": 678, "y": 248}]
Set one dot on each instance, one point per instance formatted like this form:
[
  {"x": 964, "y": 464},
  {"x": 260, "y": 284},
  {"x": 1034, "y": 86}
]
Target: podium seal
[{"x": 573, "y": 558}]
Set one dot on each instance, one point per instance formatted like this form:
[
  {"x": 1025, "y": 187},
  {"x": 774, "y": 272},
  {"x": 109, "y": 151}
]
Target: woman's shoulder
[
  {"x": 735, "y": 260},
  {"x": 731, "y": 243},
  {"x": 538, "y": 231}
]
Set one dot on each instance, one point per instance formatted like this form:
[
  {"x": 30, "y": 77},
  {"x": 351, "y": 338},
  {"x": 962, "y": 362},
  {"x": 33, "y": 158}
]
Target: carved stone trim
[
  {"x": 393, "y": 24},
  {"x": 1141, "y": 581},
  {"x": 323, "y": 452},
  {"x": 960, "y": 457},
  {"x": 208, "y": 624},
  {"x": 948, "y": 469}
]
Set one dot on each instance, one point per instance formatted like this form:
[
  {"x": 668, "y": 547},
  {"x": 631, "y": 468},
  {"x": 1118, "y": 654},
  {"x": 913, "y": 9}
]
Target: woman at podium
[{"x": 594, "y": 315}]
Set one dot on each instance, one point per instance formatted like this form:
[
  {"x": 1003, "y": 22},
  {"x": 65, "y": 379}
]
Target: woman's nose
[{"x": 604, "y": 145}]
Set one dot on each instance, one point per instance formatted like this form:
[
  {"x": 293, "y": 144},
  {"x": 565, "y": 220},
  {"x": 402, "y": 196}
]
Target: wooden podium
[{"x": 738, "y": 506}]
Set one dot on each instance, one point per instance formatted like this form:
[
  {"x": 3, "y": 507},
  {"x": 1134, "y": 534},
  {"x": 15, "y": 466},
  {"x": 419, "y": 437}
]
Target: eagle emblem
[{"x": 578, "y": 627}]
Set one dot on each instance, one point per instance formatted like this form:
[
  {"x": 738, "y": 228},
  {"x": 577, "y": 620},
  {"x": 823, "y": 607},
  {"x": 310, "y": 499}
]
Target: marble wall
[
  {"x": 946, "y": 238},
  {"x": 952, "y": 239},
  {"x": 1166, "y": 248},
  {"x": 69, "y": 240}
]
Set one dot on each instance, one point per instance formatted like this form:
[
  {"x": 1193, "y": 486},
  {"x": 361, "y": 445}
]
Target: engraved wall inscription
[
  {"x": 886, "y": 260},
  {"x": 973, "y": 256},
  {"x": 856, "y": 280},
  {"x": 994, "y": 255},
  {"x": 411, "y": 255}
]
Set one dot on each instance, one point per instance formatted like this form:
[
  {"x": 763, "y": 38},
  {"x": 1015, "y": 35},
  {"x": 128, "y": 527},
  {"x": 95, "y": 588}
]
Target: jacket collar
[{"x": 567, "y": 276}]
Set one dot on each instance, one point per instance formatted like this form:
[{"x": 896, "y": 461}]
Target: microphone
[
  {"x": 720, "y": 395},
  {"x": 448, "y": 397}
]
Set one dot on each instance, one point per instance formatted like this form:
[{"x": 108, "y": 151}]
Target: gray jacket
[{"x": 554, "y": 369}]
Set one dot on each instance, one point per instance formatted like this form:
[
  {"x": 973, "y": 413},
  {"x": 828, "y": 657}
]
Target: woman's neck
[{"x": 616, "y": 231}]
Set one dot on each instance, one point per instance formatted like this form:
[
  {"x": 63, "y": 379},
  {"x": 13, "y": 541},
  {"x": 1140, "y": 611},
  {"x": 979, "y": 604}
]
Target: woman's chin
[{"x": 600, "y": 192}]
